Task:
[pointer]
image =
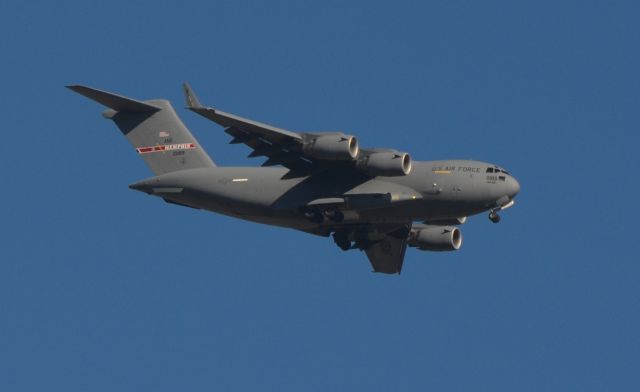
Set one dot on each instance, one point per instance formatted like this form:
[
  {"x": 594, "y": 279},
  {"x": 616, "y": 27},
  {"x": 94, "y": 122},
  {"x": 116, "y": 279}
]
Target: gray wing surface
[
  {"x": 281, "y": 147},
  {"x": 228, "y": 120},
  {"x": 387, "y": 255},
  {"x": 385, "y": 245}
]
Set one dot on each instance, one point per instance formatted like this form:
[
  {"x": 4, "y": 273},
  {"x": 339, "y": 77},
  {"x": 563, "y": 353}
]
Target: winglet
[
  {"x": 114, "y": 101},
  {"x": 190, "y": 96}
]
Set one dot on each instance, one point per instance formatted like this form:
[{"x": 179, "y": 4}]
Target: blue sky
[{"x": 103, "y": 288}]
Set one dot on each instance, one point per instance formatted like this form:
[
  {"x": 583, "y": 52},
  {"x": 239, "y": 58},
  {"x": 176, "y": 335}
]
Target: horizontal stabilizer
[{"x": 114, "y": 101}]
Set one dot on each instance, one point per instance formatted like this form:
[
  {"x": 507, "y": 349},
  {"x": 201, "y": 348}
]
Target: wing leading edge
[
  {"x": 303, "y": 153},
  {"x": 229, "y": 120},
  {"x": 279, "y": 146}
]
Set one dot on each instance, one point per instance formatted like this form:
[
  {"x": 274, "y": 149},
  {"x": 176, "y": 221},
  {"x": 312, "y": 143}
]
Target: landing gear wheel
[
  {"x": 314, "y": 216},
  {"x": 494, "y": 217}
]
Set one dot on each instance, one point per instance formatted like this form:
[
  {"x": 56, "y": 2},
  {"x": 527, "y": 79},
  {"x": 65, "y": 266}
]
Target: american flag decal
[{"x": 166, "y": 147}]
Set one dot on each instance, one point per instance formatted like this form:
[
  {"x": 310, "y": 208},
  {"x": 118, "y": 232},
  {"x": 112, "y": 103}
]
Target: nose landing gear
[
  {"x": 501, "y": 204},
  {"x": 494, "y": 217}
]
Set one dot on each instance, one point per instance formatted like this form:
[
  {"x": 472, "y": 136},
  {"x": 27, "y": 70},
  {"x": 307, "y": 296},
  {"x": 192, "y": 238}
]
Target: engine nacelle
[
  {"x": 391, "y": 163},
  {"x": 334, "y": 147},
  {"x": 436, "y": 238}
]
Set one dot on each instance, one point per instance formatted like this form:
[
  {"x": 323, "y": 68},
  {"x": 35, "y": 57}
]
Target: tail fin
[{"x": 154, "y": 129}]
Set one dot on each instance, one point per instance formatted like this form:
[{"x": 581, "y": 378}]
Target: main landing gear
[
  {"x": 314, "y": 216},
  {"x": 317, "y": 216}
]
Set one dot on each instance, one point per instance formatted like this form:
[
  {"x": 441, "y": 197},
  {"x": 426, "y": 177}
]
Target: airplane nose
[{"x": 513, "y": 187}]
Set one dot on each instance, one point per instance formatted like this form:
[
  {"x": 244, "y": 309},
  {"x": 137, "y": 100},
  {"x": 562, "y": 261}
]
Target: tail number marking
[{"x": 166, "y": 147}]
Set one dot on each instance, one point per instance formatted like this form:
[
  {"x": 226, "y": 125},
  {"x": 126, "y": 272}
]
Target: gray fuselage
[{"x": 434, "y": 190}]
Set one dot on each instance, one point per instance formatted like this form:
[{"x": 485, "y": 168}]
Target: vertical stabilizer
[{"x": 154, "y": 129}]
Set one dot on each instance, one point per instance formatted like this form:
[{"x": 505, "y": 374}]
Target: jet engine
[
  {"x": 332, "y": 146},
  {"x": 435, "y": 238},
  {"x": 387, "y": 163}
]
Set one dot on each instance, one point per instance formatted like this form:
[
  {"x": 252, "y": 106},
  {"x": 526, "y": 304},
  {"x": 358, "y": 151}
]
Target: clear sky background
[{"x": 103, "y": 288}]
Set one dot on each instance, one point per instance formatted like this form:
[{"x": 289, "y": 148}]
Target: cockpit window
[
  {"x": 496, "y": 170},
  {"x": 499, "y": 170}
]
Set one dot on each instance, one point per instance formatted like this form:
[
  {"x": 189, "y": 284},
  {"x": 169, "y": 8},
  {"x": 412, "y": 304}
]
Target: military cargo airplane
[{"x": 374, "y": 199}]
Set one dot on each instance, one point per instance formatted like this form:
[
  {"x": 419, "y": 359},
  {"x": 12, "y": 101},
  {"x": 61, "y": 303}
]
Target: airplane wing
[
  {"x": 229, "y": 120},
  {"x": 387, "y": 255},
  {"x": 279, "y": 146},
  {"x": 385, "y": 244}
]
